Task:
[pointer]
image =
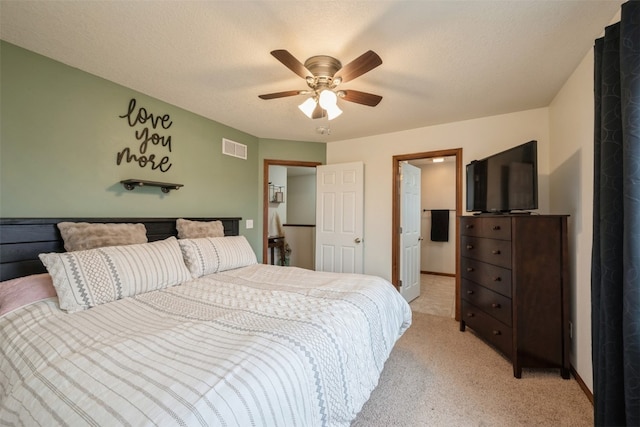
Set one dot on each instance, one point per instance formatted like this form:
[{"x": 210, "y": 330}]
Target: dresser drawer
[
  {"x": 490, "y": 276},
  {"x": 490, "y": 329},
  {"x": 490, "y": 302},
  {"x": 493, "y": 251},
  {"x": 514, "y": 287},
  {"x": 491, "y": 227}
]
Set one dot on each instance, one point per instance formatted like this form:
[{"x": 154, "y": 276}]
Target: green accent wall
[{"x": 61, "y": 135}]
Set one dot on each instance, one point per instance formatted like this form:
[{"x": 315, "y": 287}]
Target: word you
[{"x": 146, "y": 127}]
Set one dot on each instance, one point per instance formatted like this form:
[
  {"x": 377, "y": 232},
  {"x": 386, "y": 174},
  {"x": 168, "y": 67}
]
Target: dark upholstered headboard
[{"x": 22, "y": 239}]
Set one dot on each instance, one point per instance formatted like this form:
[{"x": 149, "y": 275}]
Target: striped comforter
[{"x": 259, "y": 345}]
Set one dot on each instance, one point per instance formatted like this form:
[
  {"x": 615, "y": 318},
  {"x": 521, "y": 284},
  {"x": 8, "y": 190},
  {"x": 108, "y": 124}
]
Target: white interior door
[
  {"x": 340, "y": 217},
  {"x": 410, "y": 238}
]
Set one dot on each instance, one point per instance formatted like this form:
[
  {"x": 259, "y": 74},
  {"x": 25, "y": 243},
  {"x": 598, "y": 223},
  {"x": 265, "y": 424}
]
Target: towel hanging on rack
[{"x": 439, "y": 225}]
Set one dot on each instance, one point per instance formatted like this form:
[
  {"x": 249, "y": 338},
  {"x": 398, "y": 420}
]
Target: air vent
[{"x": 235, "y": 149}]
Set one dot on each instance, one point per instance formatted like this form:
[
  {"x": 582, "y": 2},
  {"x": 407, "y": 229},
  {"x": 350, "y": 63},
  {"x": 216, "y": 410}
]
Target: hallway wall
[{"x": 438, "y": 189}]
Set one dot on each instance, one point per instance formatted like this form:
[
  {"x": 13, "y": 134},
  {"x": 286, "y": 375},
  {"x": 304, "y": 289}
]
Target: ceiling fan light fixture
[
  {"x": 319, "y": 72},
  {"x": 328, "y": 99},
  {"x": 333, "y": 112},
  {"x": 307, "y": 107}
]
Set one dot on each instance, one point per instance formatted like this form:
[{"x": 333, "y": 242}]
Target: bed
[{"x": 208, "y": 336}]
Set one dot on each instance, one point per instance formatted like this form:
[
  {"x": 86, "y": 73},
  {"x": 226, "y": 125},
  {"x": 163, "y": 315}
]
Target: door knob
[{"x": 357, "y": 240}]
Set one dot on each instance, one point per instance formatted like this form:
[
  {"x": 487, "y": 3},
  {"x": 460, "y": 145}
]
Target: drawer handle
[
  {"x": 469, "y": 268},
  {"x": 469, "y": 247},
  {"x": 496, "y": 332},
  {"x": 470, "y": 314},
  {"x": 496, "y": 251},
  {"x": 497, "y": 279},
  {"x": 468, "y": 226},
  {"x": 469, "y": 292},
  {"x": 495, "y": 305},
  {"x": 496, "y": 227}
]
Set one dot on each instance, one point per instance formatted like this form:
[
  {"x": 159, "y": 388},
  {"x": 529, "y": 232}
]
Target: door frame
[
  {"x": 395, "y": 216},
  {"x": 265, "y": 196}
]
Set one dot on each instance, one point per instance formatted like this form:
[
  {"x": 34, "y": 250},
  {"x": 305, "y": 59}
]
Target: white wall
[
  {"x": 302, "y": 241},
  {"x": 571, "y": 129},
  {"x": 438, "y": 188},
  {"x": 478, "y": 138},
  {"x": 571, "y": 163},
  {"x": 301, "y": 193},
  {"x": 298, "y": 208},
  {"x": 301, "y": 210}
]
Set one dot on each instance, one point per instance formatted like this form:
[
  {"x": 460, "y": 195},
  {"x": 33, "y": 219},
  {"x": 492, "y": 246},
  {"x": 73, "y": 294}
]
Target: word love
[{"x": 140, "y": 116}]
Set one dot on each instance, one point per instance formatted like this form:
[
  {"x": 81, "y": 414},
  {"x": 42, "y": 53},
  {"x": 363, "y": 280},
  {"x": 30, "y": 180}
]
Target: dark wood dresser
[{"x": 515, "y": 288}]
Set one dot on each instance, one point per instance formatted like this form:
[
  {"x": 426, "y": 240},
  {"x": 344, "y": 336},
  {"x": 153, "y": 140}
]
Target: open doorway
[
  {"x": 456, "y": 154},
  {"x": 275, "y": 197}
]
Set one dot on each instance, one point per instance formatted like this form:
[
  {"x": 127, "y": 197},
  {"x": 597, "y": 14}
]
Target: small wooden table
[{"x": 276, "y": 242}]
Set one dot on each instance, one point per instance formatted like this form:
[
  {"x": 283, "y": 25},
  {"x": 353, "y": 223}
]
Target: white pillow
[
  {"x": 214, "y": 254},
  {"x": 84, "y": 279}
]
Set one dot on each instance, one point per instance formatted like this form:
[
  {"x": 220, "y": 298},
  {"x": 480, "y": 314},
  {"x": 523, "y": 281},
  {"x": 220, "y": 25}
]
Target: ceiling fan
[{"x": 323, "y": 74}]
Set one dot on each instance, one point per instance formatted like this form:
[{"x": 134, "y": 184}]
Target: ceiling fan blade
[
  {"x": 291, "y": 63},
  {"x": 280, "y": 94},
  {"x": 363, "y": 98},
  {"x": 362, "y": 64},
  {"x": 318, "y": 112}
]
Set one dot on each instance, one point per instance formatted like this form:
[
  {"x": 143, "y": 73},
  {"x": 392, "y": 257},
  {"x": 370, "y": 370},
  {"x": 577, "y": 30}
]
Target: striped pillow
[
  {"x": 84, "y": 279},
  {"x": 214, "y": 254}
]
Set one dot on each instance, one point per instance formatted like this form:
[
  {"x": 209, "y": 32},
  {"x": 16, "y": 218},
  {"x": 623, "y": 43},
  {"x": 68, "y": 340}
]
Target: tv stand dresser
[{"x": 515, "y": 289}]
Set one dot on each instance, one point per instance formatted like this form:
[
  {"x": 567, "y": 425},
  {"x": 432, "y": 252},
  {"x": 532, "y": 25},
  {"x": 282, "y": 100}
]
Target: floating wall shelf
[{"x": 130, "y": 184}]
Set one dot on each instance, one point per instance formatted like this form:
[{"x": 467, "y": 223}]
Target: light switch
[{"x": 249, "y": 224}]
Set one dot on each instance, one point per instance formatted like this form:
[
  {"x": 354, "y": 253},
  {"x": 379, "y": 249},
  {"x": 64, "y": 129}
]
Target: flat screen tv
[{"x": 504, "y": 182}]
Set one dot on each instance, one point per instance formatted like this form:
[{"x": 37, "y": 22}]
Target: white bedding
[{"x": 259, "y": 345}]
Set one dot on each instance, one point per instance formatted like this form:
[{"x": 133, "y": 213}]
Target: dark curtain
[{"x": 615, "y": 271}]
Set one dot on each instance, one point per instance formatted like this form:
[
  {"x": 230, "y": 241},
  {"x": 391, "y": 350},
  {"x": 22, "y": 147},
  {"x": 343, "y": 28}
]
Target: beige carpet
[
  {"x": 437, "y": 295},
  {"x": 439, "y": 376}
]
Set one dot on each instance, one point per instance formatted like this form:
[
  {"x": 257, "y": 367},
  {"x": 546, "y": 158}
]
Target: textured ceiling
[{"x": 443, "y": 61}]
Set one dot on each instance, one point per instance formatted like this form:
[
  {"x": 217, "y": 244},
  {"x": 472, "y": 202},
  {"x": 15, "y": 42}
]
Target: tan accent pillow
[
  {"x": 81, "y": 236},
  {"x": 188, "y": 229}
]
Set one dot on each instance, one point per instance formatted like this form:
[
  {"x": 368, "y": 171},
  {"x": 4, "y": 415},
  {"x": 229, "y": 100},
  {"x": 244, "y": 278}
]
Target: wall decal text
[{"x": 147, "y": 136}]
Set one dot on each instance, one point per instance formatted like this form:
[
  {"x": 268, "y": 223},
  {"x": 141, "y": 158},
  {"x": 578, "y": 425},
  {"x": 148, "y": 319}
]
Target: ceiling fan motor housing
[
  {"x": 323, "y": 65},
  {"x": 323, "y": 68}
]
